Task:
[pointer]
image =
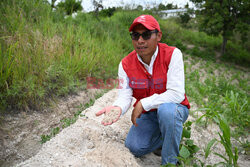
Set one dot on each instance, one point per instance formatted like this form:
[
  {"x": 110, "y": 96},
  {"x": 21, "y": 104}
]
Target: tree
[
  {"x": 223, "y": 17},
  {"x": 185, "y": 18},
  {"x": 97, "y": 5},
  {"x": 169, "y": 6},
  {"x": 70, "y": 6},
  {"x": 108, "y": 12},
  {"x": 53, "y": 4},
  {"x": 139, "y": 7},
  {"x": 161, "y": 7}
]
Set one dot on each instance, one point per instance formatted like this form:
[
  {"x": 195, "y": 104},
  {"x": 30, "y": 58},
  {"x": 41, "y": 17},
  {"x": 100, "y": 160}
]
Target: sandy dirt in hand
[
  {"x": 89, "y": 143},
  {"x": 111, "y": 116}
]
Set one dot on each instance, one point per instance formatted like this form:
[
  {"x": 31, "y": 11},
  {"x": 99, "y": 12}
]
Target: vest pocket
[{"x": 159, "y": 86}]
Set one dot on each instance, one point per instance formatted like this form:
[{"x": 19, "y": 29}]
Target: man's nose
[{"x": 140, "y": 40}]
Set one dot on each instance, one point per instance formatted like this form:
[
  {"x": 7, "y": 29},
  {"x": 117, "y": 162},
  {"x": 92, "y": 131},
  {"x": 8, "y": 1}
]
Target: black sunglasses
[{"x": 145, "y": 35}]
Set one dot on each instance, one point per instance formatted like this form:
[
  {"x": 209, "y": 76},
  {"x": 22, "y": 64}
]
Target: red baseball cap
[{"x": 147, "y": 21}]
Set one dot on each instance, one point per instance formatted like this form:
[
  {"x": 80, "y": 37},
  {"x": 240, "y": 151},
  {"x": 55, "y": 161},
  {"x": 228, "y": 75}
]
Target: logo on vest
[
  {"x": 147, "y": 83},
  {"x": 137, "y": 83}
]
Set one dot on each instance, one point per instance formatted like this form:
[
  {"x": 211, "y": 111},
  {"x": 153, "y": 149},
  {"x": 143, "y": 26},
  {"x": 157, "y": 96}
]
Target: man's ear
[{"x": 159, "y": 35}]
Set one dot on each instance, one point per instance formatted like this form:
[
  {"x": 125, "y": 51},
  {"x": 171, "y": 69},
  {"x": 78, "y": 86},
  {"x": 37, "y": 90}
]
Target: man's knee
[
  {"x": 134, "y": 149},
  {"x": 166, "y": 111}
]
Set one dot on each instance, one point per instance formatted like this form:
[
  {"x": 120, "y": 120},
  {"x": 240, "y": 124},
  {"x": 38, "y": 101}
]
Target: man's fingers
[
  {"x": 135, "y": 123},
  {"x": 115, "y": 120},
  {"x": 107, "y": 123},
  {"x": 133, "y": 119},
  {"x": 112, "y": 114},
  {"x": 100, "y": 112}
]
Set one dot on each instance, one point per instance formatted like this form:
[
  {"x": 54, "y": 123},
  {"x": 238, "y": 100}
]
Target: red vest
[{"x": 144, "y": 84}]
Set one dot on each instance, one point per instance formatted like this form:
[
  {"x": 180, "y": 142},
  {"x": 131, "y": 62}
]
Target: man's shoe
[{"x": 157, "y": 152}]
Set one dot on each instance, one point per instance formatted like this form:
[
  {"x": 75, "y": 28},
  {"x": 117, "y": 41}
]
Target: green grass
[
  {"x": 219, "y": 88},
  {"x": 42, "y": 57},
  {"x": 45, "y": 55}
]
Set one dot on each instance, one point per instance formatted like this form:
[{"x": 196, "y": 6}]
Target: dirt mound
[{"x": 88, "y": 143}]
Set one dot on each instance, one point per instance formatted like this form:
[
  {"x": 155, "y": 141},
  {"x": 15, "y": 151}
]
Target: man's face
[{"x": 145, "y": 48}]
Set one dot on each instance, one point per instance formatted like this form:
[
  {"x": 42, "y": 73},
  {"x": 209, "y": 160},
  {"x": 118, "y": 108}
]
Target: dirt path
[{"x": 88, "y": 143}]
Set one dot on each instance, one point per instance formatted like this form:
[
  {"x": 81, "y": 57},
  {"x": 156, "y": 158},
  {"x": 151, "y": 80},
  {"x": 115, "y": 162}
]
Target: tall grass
[{"x": 43, "y": 54}]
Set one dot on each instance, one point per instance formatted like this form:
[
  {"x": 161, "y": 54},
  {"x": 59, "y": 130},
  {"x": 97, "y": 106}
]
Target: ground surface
[{"x": 88, "y": 143}]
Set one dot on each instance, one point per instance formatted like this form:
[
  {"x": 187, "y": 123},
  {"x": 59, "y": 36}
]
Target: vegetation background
[{"x": 45, "y": 53}]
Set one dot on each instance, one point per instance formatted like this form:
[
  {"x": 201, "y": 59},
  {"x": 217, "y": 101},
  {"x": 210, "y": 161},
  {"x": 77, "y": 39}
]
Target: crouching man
[{"x": 153, "y": 74}]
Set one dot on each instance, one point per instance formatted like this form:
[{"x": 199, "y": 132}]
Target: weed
[
  {"x": 237, "y": 108},
  {"x": 54, "y": 132},
  {"x": 187, "y": 146},
  {"x": 45, "y": 138},
  {"x": 225, "y": 140}
]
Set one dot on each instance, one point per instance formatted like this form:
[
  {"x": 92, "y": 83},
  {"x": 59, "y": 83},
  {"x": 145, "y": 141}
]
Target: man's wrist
[{"x": 145, "y": 104}]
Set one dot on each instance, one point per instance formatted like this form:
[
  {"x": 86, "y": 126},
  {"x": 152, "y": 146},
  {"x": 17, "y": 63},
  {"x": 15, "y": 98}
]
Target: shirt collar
[{"x": 152, "y": 58}]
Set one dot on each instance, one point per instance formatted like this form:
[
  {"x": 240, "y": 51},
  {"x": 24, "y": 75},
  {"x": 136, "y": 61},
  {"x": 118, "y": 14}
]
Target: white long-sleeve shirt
[{"x": 175, "y": 84}]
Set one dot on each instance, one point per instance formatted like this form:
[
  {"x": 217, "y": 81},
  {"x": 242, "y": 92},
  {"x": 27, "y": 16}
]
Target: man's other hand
[
  {"x": 136, "y": 113},
  {"x": 112, "y": 114}
]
